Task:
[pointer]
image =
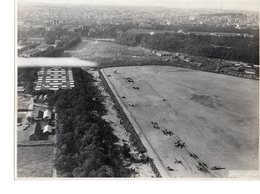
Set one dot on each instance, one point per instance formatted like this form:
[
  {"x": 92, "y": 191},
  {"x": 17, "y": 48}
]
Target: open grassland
[
  {"x": 34, "y": 161},
  {"x": 200, "y": 124},
  {"x": 112, "y": 54}
]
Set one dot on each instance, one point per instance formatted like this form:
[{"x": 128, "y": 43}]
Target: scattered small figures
[
  {"x": 167, "y": 132},
  {"x": 132, "y": 105},
  {"x": 216, "y": 168},
  {"x": 202, "y": 166},
  {"x": 179, "y": 144},
  {"x": 129, "y": 79},
  {"x": 178, "y": 161},
  {"x": 170, "y": 169},
  {"x": 194, "y": 156},
  {"x": 155, "y": 125}
]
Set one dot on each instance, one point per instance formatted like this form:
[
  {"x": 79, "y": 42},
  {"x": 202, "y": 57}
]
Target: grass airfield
[{"x": 200, "y": 124}]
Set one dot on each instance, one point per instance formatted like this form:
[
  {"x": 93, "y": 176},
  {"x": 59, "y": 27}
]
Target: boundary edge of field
[{"x": 150, "y": 151}]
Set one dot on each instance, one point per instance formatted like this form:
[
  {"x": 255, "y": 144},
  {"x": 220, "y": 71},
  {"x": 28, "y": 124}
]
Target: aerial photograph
[{"x": 137, "y": 89}]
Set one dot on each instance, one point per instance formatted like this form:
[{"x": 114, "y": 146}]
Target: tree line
[
  {"x": 85, "y": 142},
  {"x": 112, "y": 30},
  {"x": 226, "y": 47}
]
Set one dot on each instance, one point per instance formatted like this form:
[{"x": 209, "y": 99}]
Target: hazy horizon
[{"x": 249, "y": 5}]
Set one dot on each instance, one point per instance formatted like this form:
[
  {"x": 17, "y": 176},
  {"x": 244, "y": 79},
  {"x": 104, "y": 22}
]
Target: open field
[
  {"x": 94, "y": 49},
  {"x": 111, "y": 54},
  {"x": 34, "y": 161},
  {"x": 205, "y": 124}
]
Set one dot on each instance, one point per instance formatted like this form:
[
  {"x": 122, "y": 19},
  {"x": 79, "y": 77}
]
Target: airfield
[{"x": 198, "y": 124}]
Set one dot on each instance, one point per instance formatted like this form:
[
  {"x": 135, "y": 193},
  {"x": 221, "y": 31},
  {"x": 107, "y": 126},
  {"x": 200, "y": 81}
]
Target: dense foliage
[
  {"x": 85, "y": 142},
  {"x": 27, "y": 77},
  {"x": 203, "y": 28},
  {"x": 227, "y": 47},
  {"x": 112, "y": 30},
  {"x": 67, "y": 38}
]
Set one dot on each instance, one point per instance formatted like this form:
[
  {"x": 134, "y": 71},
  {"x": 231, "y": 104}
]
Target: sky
[{"x": 206, "y": 4}]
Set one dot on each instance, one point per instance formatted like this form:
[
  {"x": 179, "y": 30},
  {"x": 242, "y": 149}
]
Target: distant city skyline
[{"x": 252, "y": 5}]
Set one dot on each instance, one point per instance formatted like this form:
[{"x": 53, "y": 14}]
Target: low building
[
  {"x": 31, "y": 52},
  {"x": 20, "y": 89},
  {"x": 30, "y": 114},
  {"x": 44, "y": 47},
  {"x": 250, "y": 71},
  {"x": 163, "y": 53},
  {"x": 47, "y": 114},
  {"x": 47, "y": 129},
  {"x": 38, "y": 115},
  {"x": 37, "y": 40},
  {"x": 35, "y": 132}
]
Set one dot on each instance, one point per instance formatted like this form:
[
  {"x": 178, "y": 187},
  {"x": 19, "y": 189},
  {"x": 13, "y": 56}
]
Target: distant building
[
  {"x": 180, "y": 32},
  {"x": 56, "y": 21},
  {"x": 20, "y": 89},
  {"x": 35, "y": 40},
  {"x": 44, "y": 47},
  {"x": 31, "y": 53},
  {"x": 163, "y": 53},
  {"x": 249, "y": 71}
]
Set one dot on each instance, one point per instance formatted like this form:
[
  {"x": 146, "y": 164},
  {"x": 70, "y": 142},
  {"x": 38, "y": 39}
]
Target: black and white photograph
[{"x": 151, "y": 89}]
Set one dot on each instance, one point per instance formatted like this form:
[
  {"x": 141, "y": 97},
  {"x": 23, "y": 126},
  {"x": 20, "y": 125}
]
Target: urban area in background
[{"x": 121, "y": 91}]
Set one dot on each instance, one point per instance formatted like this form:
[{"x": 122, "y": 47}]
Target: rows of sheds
[{"x": 54, "y": 79}]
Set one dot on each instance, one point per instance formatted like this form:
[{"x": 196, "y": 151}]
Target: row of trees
[
  {"x": 203, "y": 28},
  {"x": 227, "y": 47},
  {"x": 85, "y": 142},
  {"x": 112, "y": 30}
]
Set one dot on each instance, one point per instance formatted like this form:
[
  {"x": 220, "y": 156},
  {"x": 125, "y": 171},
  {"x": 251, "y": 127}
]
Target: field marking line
[{"x": 150, "y": 150}]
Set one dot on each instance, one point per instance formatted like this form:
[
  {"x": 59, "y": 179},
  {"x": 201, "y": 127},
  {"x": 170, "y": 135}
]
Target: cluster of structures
[
  {"x": 34, "y": 122},
  {"x": 162, "y": 53},
  {"x": 43, "y": 124},
  {"x": 54, "y": 79},
  {"x": 35, "y": 119},
  {"x": 230, "y": 67},
  {"x": 219, "y": 34},
  {"x": 34, "y": 52}
]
